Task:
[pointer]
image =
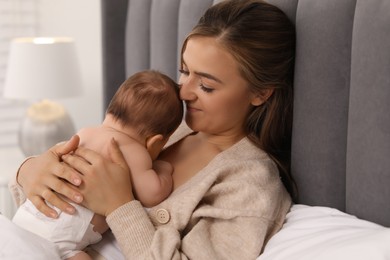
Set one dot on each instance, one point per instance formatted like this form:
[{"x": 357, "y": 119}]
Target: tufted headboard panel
[{"x": 341, "y": 128}]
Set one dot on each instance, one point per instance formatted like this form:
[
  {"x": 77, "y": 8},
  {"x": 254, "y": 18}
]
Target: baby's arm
[
  {"x": 152, "y": 181},
  {"x": 155, "y": 184},
  {"x": 164, "y": 171}
]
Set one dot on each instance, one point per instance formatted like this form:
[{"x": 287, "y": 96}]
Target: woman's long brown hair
[{"x": 262, "y": 40}]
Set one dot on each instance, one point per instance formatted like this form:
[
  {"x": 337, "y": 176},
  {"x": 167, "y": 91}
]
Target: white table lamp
[{"x": 40, "y": 69}]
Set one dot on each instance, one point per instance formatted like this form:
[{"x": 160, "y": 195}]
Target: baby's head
[{"x": 149, "y": 102}]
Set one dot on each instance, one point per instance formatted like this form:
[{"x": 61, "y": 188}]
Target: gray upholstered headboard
[{"x": 341, "y": 132}]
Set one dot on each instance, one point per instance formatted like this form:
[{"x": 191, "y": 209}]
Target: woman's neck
[{"x": 220, "y": 141}]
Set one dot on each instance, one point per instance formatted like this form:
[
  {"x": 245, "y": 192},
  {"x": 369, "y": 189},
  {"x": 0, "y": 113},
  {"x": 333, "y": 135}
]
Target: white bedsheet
[
  {"x": 323, "y": 233},
  {"x": 108, "y": 247},
  {"x": 19, "y": 244},
  {"x": 308, "y": 233}
]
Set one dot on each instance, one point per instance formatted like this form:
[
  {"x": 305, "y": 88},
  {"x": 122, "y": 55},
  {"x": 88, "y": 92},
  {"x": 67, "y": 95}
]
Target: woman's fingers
[
  {"x": 116, "y": 154},
  {"x": 82, "y": 159},
  {"x": 106, "y": 183},
  {"x": 66, "y": 147},
  {"x": 62, "y": 187},
  {"x": 44, "y": 177},
  {"x": 67, "y": 173},
  {"x": 49, "y": 197},
  {"x": 61, "y": 170},
  {"x": 47, "y": 190},
  {"x": 40, "y": 204},
  {"x": 87, "y": 156}
]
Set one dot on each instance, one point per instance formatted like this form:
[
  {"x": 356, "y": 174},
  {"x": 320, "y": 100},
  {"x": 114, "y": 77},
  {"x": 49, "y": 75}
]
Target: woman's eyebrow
[
  {"x": 203, "y": 74},
  {"x": 209, "y": 76}
]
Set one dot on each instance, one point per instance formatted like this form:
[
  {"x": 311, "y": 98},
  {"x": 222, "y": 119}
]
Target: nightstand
[{"x": 10, "y": 160}]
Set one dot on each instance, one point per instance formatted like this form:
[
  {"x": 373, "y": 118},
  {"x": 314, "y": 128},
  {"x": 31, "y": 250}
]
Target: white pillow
[{"x": 326, "y": 233}]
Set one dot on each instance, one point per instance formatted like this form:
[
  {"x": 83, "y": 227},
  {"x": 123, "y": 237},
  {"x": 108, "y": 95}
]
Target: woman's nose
[{"x": 187, "y": 89}]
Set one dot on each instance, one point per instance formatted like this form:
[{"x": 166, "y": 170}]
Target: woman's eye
[
  {"x": 184, "y": 72},
  {"x": 205, "y": 88}
]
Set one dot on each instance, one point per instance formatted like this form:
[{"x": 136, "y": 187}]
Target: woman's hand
[
  {"x": 106, "y": 184},
  {"x": 42, "y": 176}
]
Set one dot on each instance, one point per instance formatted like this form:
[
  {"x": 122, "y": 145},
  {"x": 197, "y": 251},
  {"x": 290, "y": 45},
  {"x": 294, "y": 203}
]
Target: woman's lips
[{"x": 192, "y": 109}]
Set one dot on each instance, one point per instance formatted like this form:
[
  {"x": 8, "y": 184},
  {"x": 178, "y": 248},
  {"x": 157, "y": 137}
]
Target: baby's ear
[
  {"x": 261, "y": 97},
  {"x": 154, "y": 145}
]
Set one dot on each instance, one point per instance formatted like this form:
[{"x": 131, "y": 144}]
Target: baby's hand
[{"x": 160, "y": 166}]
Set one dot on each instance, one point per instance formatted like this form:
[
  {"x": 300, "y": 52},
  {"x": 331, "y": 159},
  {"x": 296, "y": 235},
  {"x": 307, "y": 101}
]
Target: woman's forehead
[{"x": 206, "y": 54}]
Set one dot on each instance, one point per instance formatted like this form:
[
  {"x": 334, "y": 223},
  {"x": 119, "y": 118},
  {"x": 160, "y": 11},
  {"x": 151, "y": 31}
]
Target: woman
[{"x": 230, "y": 162}]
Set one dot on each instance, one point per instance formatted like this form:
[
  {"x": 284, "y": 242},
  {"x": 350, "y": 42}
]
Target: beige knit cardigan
[{"x": 228, "y": 210}]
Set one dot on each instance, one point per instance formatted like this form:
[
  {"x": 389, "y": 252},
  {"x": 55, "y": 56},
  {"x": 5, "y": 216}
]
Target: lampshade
[{"x": 42, "y": 68}]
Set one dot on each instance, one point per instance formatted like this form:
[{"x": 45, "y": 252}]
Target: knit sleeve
[
  {"x": 232, "y": 220},
  {"x": 138, "y": 238},
  {"x": 14, "y": 187}
]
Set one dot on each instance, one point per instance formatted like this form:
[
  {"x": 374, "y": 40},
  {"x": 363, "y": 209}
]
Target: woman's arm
[
  {"x": 233, "y": 221},
  {"x": 230, "y": 220},
  {"x": 14, "y": 187},
  {"x": 43, "y": 176}
]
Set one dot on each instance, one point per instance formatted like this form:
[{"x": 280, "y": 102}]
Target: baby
[{"x": 141, "y": 116}]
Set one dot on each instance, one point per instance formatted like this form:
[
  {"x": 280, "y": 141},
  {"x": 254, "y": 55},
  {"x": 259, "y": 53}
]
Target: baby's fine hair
[{"x": 148, "y": 101}]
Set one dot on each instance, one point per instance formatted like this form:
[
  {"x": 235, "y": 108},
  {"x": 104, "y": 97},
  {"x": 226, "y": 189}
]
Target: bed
[{"x": 341, "y": 127}]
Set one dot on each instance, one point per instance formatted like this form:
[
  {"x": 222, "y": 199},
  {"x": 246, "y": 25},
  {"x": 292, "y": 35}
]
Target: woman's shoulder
[
  {"x": 247, "y": 150},
  {"x": 182, "y": 131},
  {"x": 248, "y": 156},
  {"x": 248, "y": 179}
]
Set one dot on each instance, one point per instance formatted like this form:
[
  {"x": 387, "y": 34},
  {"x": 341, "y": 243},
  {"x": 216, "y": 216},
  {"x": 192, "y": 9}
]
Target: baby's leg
[
  {"x": 99, "y": 223},
  {"x": 80, "y": 256}
]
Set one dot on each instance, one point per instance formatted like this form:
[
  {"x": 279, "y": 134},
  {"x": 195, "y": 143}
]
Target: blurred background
[{"x": 79, "y": 20}]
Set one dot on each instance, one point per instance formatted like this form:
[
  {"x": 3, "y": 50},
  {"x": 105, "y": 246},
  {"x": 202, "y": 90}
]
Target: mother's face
[{"x": 217, "y": 97}]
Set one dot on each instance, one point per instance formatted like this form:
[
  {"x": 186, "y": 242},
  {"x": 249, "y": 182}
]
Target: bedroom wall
[{"x": 80, "y": 20}]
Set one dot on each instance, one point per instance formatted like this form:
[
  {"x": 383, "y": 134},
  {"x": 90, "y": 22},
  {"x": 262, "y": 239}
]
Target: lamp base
[{"x": 46, "y": 124}]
